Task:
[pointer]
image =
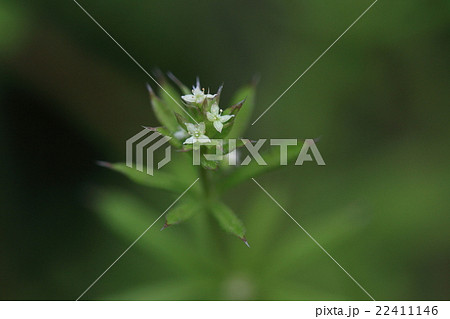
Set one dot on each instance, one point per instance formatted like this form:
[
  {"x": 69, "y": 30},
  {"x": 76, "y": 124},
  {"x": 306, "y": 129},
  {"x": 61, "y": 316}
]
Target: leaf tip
[
  {"x": 150, "y": 90},
  {"x": 153, "y": 129},
  {"x": 235, "y": 108},
  {"x": 172, "y": 76},
  {"x": 245, "y": 241},
  {"x": 178, "y": 82},
  {"x": 165, "y": 226},
  {"x": 159, "y": 75}
]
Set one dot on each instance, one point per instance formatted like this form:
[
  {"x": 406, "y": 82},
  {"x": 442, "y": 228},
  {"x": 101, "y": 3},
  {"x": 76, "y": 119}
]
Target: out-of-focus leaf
[
  {"x": 181, "y": 120},
  {"x": 164, "y": 131},
  {"x": 163, "y": 112},
  {"x": 242, "y": 120},
  {"x": 228, "y": 126},
  {"x": 253, "y": 169},
  {"x": 191, "y": 288},
  {"x": 287, "y": 289},
  {"x": 14, "y": 25},
  {"x": 234, "y": 109},
  {"x": 227, "y": 148},
  {"x": 159, "y": 179},
  {"x": 184, "y": 89},
  {"x": 265, "y": 227},
  {"x": 183, "y": 211},
  {"x": 228, "y": 220},
  {"x": 129, "y": 217},
  {"x": 339, "y": 227},
  {"x": 211, "y": 165},
  {"x": 171, "y": 97}
]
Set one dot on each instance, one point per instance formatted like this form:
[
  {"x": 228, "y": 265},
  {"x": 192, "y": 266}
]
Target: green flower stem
[
  {"x": 205, "y": 181},
  {"x": 210, "y": 198},
  {"x": 208, "y": 186}
]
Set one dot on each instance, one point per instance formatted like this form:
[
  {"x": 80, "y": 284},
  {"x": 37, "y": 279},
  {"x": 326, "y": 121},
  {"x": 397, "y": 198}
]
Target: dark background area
[{"x": 379, "y": 99}]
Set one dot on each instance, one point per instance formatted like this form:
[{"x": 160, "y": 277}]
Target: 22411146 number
[{"x": 408, "y": 310}]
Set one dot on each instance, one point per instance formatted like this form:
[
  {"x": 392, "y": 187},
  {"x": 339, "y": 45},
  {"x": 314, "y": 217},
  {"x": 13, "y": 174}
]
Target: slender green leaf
[
  {"x": 253, "y": 169},
  {"x": 184, "y": 89},
  {"x": 335, "y": 228},
  {"x": 181, "y": 120},
  {"x": 164, "y": 131},
  {"x": 171, "y": 97},
  {"x": 242, "y": 120},
  {"x": 182, "y": 212},
  {"x": 228, "y": 220},
  {"x": 227, "y": 148},
  {"x": 128, "y": 217},
  {"x": 163, "y": 112},
  {"x": 228, "y": 126},
  {"x": 159, "y": 179}
]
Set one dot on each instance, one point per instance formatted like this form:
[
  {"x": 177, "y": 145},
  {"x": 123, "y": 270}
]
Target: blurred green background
[{"x": 378, "y": 98}]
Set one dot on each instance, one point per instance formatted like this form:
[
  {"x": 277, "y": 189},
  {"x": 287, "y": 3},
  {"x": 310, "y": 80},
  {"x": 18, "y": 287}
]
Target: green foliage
[
  {"x": 379, "y": 96},
  {"x": 130, "y": 216},
  {"x": 181, "y": 120},
  {"x": 253, "y": 169},
  {"x": 199, "y": 105},
  {"x": 183, "y": 211},
  {"x": 163, "y": 112},
  {"x": 227, "y": 219},
  {"x": 169, "y": 95},
  {"x": 247, "y": 94},
  {"x": 14, "y": 22},
  {"x": 183, "y": 88},
  {"x": 160, "y": 179}
]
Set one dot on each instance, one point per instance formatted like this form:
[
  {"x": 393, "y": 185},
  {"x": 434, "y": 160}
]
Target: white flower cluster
[{"x": 214, "y": 115}]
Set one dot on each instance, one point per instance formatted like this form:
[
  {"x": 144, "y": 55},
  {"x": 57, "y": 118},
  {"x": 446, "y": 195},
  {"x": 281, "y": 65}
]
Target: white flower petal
[
  {"x": 199, "y": 99},
  {"x": 218, "y": 125},
  {"x": 225, "y": 118},
  {"x": 210, "y": 116},
  {"x": 189, "y": 98},
  {"x": 197, "y": 91},
  {"x": 191, "y": 128},
  {"x": 201, "y": 127},
  {"x": 210, "y": 96},
  {"x": 190, "y": 140},
  {"x": 203, "y": 139},
  {"x": 215, "y": 109}
]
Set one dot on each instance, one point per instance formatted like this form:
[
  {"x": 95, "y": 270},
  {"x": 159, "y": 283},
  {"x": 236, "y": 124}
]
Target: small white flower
[
  {"x": 198, "y": 95},
  {"x": 216, "y": 117},
  {"x": 197, "y": 133}
]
